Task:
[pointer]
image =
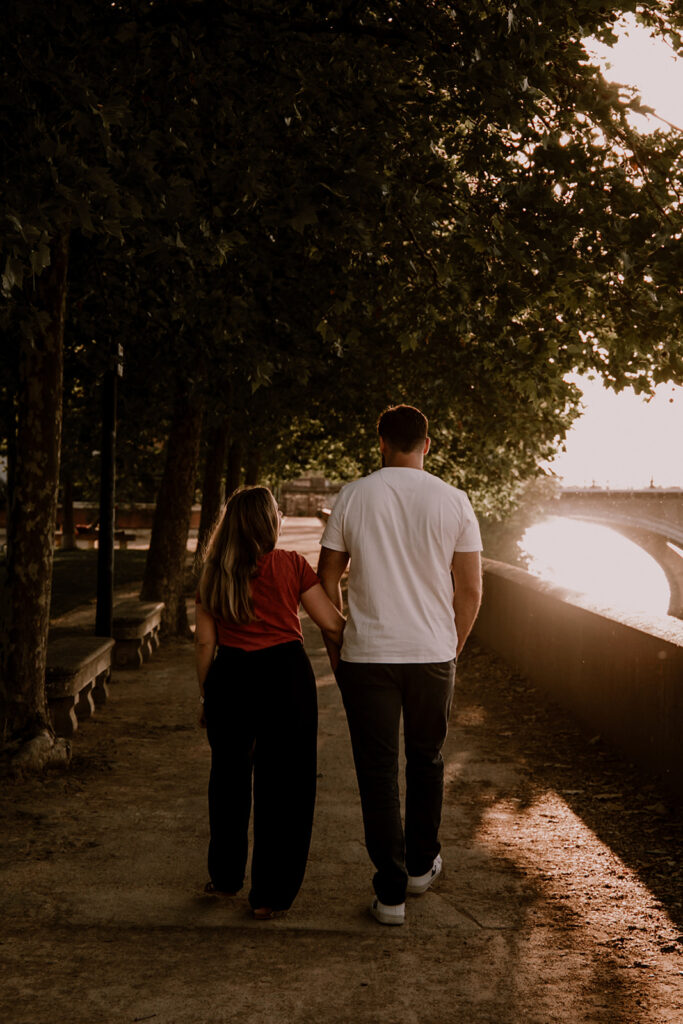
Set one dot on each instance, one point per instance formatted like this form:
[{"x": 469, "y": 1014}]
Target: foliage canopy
[{"x": 315, "y": 210}]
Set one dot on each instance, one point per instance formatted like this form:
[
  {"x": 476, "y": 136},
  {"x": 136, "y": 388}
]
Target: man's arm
[
  {"x": 466, "y": 569},
  {"x": 331, "y": 566}
]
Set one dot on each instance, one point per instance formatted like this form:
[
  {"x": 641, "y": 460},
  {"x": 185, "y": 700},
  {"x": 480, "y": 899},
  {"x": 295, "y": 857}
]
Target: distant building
[{"x": 307, "y": 495}]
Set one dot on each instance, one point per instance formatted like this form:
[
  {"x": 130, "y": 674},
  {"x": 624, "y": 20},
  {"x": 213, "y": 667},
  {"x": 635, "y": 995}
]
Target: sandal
[
  {"x": 267, "y": 913},
  {"x": 211, "y": 890}
]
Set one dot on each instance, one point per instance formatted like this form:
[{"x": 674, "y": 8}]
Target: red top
[{"x": 283, "y": 576}]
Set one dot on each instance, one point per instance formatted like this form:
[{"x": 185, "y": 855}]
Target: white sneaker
[
  {"x": 420, "y": 883},
  {"x": 387, "y": 914}
]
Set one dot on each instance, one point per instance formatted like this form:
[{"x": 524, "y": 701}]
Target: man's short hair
[{"x": 403, "y": 427}]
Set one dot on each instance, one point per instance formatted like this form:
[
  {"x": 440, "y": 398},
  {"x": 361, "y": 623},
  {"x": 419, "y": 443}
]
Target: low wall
[
  {"x": 620, "y": 674},
  {"x": 128, "y": 517}
]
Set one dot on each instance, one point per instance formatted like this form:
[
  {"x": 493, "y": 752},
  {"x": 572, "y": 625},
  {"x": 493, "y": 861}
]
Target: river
[{"x": 598, "y": 562}]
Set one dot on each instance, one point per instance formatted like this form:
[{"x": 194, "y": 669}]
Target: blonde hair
[{"x": 246, "y": 529}]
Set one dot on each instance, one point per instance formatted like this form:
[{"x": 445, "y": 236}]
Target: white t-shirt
[{"x": 401, "y": 528}]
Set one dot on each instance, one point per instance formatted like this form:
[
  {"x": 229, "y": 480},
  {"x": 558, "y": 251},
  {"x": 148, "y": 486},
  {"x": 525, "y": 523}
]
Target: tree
[
  {"x": 466, "y": 210},
  {"x": 32, "y": 506},
  {"x": 356, "y": 203},
  {"x": 71, "y": 161},
  {"x": 213, "y": 479},
  {"x": 165, "y": 568}
]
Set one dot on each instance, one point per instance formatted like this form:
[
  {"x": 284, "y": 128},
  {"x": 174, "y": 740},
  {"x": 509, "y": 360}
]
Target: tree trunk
[
  {"x": 32, "y": 511},
  {"x": 164, "y": 578},
  {"x": 212, "y": 485},
  {"x": 104, "y": 616},
  {"x": 233, "y": 470},
  {"x": 68, "y": 527},
  {"x": 252, "y": 469}
]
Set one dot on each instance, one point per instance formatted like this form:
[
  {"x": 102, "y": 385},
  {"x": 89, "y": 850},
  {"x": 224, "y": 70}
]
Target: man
[{"x": 414, "y": 591}]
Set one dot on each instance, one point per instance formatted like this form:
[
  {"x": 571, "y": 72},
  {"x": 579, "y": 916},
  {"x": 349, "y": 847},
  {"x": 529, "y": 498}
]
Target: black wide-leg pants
[
  {"x": 375, "y": 696},
  {"x": 261, "y": 721}
]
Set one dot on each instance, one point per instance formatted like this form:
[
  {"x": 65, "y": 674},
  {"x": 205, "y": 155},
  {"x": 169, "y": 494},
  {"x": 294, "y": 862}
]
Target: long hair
[{"x": 246, "y": 529}]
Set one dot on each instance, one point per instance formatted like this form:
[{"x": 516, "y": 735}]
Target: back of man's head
[{"x": 403, "y": 427}]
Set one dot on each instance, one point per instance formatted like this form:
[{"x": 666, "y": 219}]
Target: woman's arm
[
  {"x": 317, "y": 604},
  {"x": 331, "y": 566},
  {"x": 204, "y": 645}
]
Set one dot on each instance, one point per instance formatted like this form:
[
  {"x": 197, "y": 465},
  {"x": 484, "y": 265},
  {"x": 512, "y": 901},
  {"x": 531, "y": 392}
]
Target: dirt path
[{"x": 562, "y": 897}]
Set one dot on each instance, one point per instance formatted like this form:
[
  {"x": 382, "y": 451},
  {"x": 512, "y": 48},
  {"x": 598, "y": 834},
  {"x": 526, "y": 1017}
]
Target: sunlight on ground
[
  {"x": 598, "y": 562},
  {"x": 570, "y": 862}
]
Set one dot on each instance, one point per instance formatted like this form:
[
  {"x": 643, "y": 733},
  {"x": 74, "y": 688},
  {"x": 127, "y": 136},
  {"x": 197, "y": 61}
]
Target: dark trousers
[
  {"x": 261, "y": 721},
  {"x": 374, "y": 697}
]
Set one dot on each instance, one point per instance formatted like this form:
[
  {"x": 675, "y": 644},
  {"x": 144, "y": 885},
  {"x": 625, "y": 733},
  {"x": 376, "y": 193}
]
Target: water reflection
[{"x": 598, "y": 562}]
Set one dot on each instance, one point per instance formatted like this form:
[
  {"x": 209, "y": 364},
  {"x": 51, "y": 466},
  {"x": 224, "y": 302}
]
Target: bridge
[{"x": 652, "y": 519}]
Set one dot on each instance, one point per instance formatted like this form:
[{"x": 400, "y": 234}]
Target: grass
[{"x": 74, "y": 576}]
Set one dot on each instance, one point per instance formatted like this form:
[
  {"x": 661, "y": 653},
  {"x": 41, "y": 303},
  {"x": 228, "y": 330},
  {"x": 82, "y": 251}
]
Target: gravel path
[{"x": 561, "y": 899}]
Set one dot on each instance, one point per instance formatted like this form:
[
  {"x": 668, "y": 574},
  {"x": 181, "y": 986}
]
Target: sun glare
[
  {"x": 650, "y": 65},
  {"x": 597, "y": 562},
  {"x": 623, "y": 440}
]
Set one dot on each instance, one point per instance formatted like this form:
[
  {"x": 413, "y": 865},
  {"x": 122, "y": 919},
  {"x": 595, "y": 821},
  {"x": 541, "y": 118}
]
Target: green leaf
[
  {"x": 40, "y": 258},
  {"x": 303, "y": 219},
  {"x": 13, "y": 276}
]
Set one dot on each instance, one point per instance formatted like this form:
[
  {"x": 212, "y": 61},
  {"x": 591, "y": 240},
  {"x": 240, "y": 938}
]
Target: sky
[
  {"x": 650, "y": 65},
  {"x": 621, "y": 440}
]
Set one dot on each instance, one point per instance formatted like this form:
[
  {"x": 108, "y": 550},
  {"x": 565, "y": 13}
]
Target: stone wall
[
  {"x": 307, "y": 495},
  {"x": 621, "y": 675}
]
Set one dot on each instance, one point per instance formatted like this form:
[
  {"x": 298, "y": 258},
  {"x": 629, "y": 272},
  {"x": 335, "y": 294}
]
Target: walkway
[{"x": 561, "y": 899}]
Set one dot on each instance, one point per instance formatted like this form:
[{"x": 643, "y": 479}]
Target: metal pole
[{"x": 105, "y": 549}]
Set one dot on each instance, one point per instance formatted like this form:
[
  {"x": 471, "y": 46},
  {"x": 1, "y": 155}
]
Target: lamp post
[{"x": 105, "y": 548}]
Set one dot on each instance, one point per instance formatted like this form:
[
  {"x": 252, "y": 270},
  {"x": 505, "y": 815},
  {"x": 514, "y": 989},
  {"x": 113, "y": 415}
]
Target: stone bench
[
  {"x": 135, "y": 629},
  {"x": 88, "y": 538},
  {"x": 76, "y": 678},
  {"x": 122, "y": 539}
]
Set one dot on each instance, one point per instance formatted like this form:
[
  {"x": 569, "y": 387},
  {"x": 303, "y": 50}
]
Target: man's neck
[
  {"x": 392, "y": 458},
  {"x": 403, "y": 460}
]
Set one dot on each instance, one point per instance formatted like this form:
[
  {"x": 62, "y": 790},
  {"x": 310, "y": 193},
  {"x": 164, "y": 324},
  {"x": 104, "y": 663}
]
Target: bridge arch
[{"x": 652, "y": 519}]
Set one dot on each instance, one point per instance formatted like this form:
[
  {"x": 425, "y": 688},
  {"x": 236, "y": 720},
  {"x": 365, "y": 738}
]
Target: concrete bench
[
  {"x": 136, "y": 631},
  {"x": 88, "y": 538},
  {"x": 76, "y": 678},
  {"x": 122, "y": 539}
]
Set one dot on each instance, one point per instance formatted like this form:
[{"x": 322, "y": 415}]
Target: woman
[{"x": 259, "y": 700}]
